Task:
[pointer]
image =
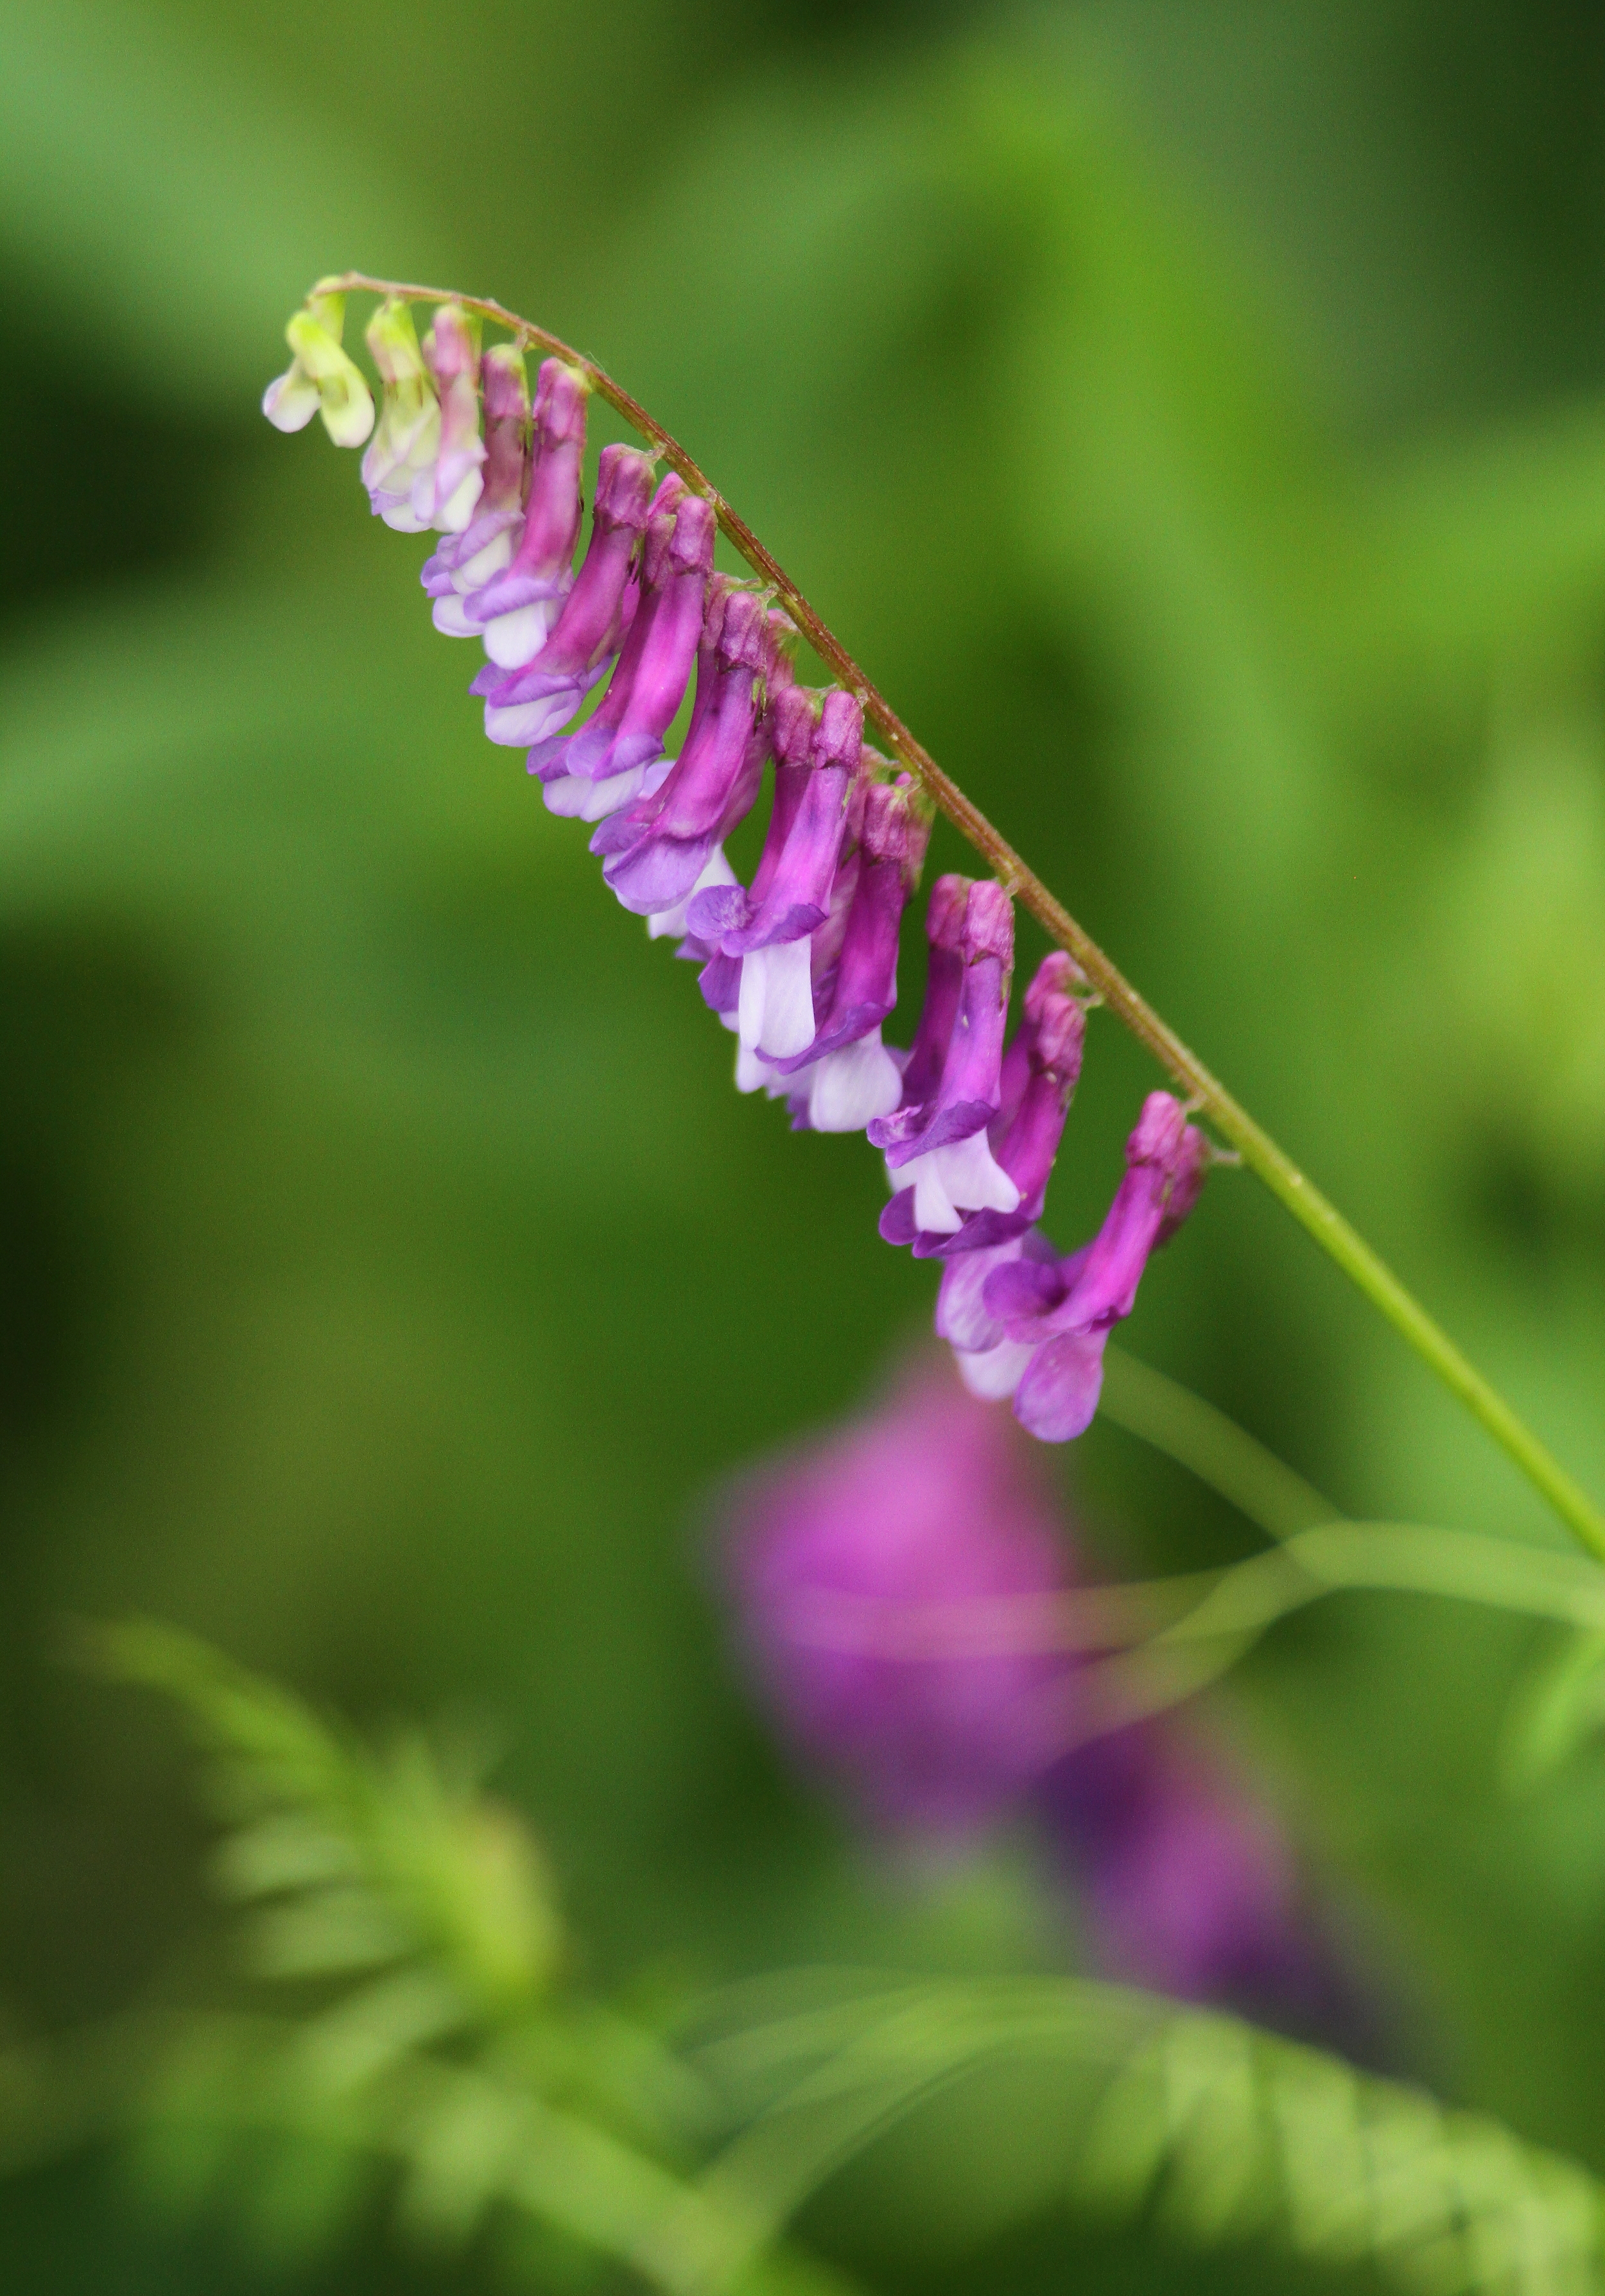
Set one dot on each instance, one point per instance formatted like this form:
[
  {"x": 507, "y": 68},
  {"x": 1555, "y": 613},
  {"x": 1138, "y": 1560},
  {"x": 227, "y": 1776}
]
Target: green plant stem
[
  {"x": 1211, "y": 1098},
  {"x": 1219, "y": 1453}
]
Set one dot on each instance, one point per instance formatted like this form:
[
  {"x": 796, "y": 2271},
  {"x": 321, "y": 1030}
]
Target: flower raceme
[{"x": 801, "y": 964}]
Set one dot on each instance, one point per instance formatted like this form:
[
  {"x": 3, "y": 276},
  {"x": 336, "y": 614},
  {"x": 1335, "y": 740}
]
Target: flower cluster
[
  {"x": 801, "y": 964},
  {"x": 899, "y": 1590}
]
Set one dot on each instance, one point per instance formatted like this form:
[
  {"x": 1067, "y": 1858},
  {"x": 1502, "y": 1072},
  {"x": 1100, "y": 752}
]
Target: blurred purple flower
[
  {"x": 900, "y": 1588},
  {"x": 847, "y": 1562},
  {"x": 1190, "y": 1887}
]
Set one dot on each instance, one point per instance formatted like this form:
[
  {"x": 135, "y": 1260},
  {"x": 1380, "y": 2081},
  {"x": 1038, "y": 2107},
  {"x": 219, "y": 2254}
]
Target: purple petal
[{"x": 1057, "y": 1397}]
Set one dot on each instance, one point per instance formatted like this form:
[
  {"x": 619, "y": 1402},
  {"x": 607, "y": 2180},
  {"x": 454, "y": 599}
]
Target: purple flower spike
[
  {"x": 593, "y": 772},
  {"x": 445, "y": 495},
  {"x": 516, "y": 610},
  {"x": 660, "y": 845},
  {"x": 1041, "y": 1324},
  {"x": 1039, "y": 1074},
  {"x": 524, "y": 706},
  {"x": 465, "y": 562},
  {"x": 855, "y": 1567}
]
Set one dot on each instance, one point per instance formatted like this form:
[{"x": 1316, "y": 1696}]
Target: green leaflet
[
  {"x": 431, "y": 2046},
  {"x": 1219, "y": 2132}
]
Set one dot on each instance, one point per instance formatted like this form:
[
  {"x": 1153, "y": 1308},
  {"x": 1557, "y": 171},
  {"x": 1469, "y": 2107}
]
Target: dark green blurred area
[{"x": 1194, "y": 418}]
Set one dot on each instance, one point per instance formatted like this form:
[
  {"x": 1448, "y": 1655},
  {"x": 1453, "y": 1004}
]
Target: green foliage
[
  {"x": 1219, "y": 2134},
  {"x": 432, "y": 2033},
  {"x": 1560, "y": 1708},
  {"x": 390, "y": 1866},
  {"x": 436, "y": 2057}
]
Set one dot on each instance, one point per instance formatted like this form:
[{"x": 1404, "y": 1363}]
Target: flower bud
[
  {"x": 408, "y": 438},
  {"x": 321, "y": 379}
]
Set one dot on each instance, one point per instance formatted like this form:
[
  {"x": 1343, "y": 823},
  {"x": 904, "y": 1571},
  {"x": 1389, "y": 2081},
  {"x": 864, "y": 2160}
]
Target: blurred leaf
[
  {"x": 407, "y": 1864},
  {"x": 1558, "y": 1709},
  {"x": 186, "y": 269},
  {"x": 1228, "y": 2135}
]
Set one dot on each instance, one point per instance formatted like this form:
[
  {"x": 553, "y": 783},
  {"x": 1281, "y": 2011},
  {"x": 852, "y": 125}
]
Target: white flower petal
[
  {"x": 973, "y": 1178},
  {"x": 519, "y": 725},
  {"x": 513, "y": 639},
  {"x": 935, "y": 1211},
  {"x": 995, "y": 1373},
  {"x": 453, "y": 516},
  {"x": 489, "y": 559},
  {"x": 291, "y": 400},
  {"x": 451, "y": 621},
  {"x": 850, "y": 1087},
  {"x": 776, "y": 999}
]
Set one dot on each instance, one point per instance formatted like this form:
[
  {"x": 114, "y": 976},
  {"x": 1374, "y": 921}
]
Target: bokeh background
[{"x": 1194, "y": 418}]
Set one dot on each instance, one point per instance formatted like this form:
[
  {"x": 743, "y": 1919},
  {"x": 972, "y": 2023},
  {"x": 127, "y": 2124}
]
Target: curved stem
[{"x": 1255, "y": 1146}]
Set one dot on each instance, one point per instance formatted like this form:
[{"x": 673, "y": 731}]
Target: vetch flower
[
  {"x": 408, "y": 438},
  {"x": 846, "y": 1077},
  {"x": 445, "y": 496},
  {"x": 898, "y": 1588},
  {"x": 1038, "y": 1076},
  {"x": 1055, "y": 1315},
  {"x": 1189, "y": 1884},
  {"x": 767, "y": 931},
  {"x": 937, "y": 1140},
  {"x": 848, "y": 1561},
  {"x": 593, "y": 772},
  {"x": 464, "y": 563},
  {"x": 522, "y": 706},
  {"x": 516, "y": 608},
  {"x": 658, "y": 847},
  {"x": 321, "y": 379}
]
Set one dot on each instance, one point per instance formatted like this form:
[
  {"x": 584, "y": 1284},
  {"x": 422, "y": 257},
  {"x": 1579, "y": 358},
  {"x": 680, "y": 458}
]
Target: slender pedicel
[{"x": 1204, "y": 1093}]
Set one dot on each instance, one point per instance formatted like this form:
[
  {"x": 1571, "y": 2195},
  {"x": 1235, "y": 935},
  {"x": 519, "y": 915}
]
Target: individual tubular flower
[
  {"x": 850, "y": 1564},
  {"x": 659, "y": 846},
  {"x": 780, "y": 636},
  {"x": 404, "y": 446},
  {"x": 936, "y": 1141},
  {"x": 787, "y": 729},
  {"x": 767, "y": 931},
  {"x": 593, "y": 772},
  {"x": 846, "y": 1077},
  {"x": 321, "y": 378},
  {"x": 516, "y": 608},
  {"x": 464, "y": 563},
  {"x": 1053, "y": 1316},
  {"x": 445, "y": 496},
  {"x": 524, "y": 706},
  {"x": 1038, "y": 1076}
]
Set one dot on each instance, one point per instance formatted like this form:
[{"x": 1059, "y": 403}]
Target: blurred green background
[{"x": 1193, "y": 415}]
